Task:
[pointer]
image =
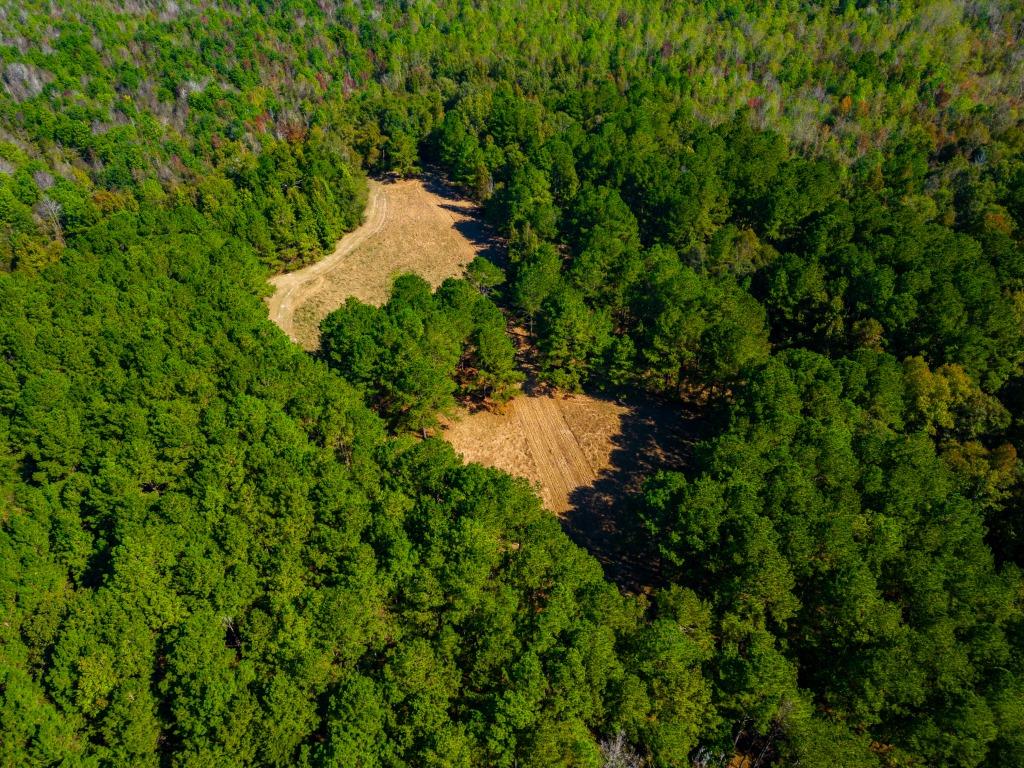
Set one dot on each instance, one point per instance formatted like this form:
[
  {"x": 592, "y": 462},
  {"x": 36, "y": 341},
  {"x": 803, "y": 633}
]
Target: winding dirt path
[
  {"x": 411, "y": 225},
  {"x": 293, "y": 289}
]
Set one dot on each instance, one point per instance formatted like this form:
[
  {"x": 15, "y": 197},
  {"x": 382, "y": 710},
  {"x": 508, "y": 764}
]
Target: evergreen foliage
[{"x": 216, "y": 550}]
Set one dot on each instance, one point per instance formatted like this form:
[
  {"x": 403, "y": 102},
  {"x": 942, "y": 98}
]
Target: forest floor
[{"x": 411, "y": 225}]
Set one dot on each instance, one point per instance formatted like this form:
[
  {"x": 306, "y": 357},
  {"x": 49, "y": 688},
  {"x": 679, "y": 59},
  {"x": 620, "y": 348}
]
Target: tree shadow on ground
[
  {"x": 481, "y": 235},
  {"x": 475, "y": 228},
  {"x": 654, "y": 435}
]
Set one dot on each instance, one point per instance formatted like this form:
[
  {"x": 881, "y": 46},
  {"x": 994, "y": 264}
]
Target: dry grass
[
  {"x": 585, "y": 455},
  {"x": 560, "y": 443},
  {"x": 411, "y": 225}
]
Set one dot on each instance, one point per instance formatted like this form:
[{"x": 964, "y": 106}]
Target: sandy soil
[
  {"x": 411, "y": 225},
  {"x": 559, "y": 443}
]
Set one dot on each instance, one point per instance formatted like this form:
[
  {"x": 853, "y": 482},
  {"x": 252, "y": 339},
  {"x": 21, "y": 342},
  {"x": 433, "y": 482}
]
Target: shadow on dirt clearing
[{"x": 603, "y": 520}]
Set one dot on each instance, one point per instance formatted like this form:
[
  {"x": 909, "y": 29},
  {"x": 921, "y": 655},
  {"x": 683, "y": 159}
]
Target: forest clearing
[
  {"x": 650, "y": 391},
  {"x": 411, "y": 225},
  {"x": 584, "y": 453},
  {"x": 560, "y": 443}
]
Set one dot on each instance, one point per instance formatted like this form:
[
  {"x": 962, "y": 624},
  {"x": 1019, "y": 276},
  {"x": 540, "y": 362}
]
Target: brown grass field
[
  {"x": 584, "y": 454},
  {"x": 559, "y": 443},
  {"x": 411, "y": 225}
]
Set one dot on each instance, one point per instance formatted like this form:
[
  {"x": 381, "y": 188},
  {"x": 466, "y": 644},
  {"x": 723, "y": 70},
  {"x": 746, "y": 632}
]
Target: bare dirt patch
[
  {"x": 560, "y": 443},
  {"x": 411, "y": 225},
  {"x": 586, "y": 455}
]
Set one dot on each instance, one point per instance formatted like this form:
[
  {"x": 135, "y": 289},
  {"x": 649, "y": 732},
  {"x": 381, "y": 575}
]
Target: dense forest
[{"x": 219, "y": 550}]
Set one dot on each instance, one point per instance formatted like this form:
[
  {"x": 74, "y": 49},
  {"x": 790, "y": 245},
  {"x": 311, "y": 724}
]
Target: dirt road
[
  {"x": 411, "y": 225},
  {"x": 292, "y": 289}
]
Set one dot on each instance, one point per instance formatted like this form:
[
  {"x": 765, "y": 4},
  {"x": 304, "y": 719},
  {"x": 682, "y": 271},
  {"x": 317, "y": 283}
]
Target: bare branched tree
[
  {"x": 43, "y": 179},
  {"x": 618, "y": 753},
  {"x": 706, "y": 757},
  {"x": 24, "y": 81},
  {"x": 50, "y": 210}
]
